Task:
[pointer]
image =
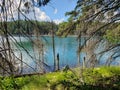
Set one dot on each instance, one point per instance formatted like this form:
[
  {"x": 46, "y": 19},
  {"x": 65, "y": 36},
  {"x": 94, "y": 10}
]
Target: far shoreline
[{"x": 42, "y": 35}]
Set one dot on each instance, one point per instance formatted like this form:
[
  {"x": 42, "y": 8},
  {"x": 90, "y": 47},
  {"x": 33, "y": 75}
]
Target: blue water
[{"x": 65, "y": 47}]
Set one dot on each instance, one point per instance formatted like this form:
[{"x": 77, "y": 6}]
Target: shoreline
[{"x": 43, "y": 35}]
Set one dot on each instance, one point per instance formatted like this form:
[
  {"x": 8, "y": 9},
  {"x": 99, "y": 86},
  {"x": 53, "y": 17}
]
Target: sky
[{"x": 54, "y": 11}]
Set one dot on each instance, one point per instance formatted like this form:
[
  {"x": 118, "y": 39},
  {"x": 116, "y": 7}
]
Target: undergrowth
[{"x": 102, "y": 78}]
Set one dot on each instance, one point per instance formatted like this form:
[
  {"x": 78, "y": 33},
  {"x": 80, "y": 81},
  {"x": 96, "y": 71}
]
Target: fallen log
[{"x": 30, "y": 74}]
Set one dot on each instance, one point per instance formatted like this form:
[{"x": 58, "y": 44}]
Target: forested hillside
[{"x": 20, "y": 27}]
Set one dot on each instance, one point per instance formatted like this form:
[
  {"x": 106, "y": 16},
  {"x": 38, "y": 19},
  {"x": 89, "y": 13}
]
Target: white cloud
[
  {"x": 55, "y": 11},
  {"x": 38, "y": 15},
  {"x": 34, "y": 12},
  {"x": 58, "y": 21}
]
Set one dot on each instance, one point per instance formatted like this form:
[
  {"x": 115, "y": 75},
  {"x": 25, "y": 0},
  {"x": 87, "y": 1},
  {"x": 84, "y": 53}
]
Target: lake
[{"x": 65, "y": 47}]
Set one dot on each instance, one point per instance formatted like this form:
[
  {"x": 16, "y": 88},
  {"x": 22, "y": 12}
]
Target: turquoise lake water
[{"x": 65, "y": 47}]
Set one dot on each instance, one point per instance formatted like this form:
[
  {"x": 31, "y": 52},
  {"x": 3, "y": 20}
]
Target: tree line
[{"x": 20, "y": 27}]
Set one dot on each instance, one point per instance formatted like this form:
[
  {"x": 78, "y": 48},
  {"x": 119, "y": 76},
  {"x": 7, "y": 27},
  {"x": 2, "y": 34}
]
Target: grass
[{"x": 101, "y": 78}]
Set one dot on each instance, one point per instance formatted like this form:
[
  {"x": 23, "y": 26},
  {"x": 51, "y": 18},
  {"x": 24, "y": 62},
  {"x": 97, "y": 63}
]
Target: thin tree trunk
[
  {"x": 57, "y": 66},
  {"x": 78, "y": 53},
  {"x": 53, "y": 42}
]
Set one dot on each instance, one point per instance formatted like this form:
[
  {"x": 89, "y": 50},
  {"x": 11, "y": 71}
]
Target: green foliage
[
  {"x": 61, "y": 28},
  {"x": 113, "y": 35},
  {"x": 8, "y": 83},
  {"x": 87, "y": 12},
  {"x": 102, "y": 76},
  {"x": 94, "y": 79},
  {"x": 35, "y": 82},
  {"x": 65, "y": 29},
  {"x": 21, "y": 27}
]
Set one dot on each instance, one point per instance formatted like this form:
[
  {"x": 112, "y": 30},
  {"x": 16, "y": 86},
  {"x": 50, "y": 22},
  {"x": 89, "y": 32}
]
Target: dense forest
[
  {"x": 111, "y": 32},
  {"x": 20, "y": 27}
]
